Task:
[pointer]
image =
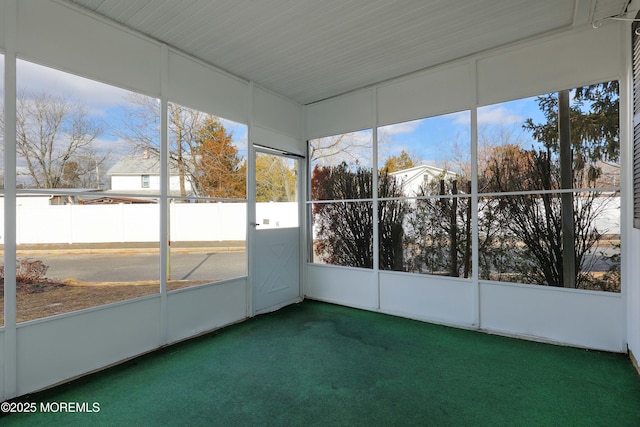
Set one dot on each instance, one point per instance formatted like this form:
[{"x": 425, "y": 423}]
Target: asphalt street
[
  {"x": 133, "y": 267},
  {"x": 185, "y": 265}
]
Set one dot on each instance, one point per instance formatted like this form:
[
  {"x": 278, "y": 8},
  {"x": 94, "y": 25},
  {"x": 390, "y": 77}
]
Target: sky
[
  {"x": 437, "y": 140},
  {"x": 443, "y": 140},
  {"x": 104, "y": 103},
  {"x": 447, "y": 138}
]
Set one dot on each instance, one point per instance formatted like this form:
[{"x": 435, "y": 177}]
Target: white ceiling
[{"x": 309, "y": 50}]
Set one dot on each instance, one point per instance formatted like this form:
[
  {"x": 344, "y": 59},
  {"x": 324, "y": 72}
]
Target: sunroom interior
[{"x": 386, "y": 156}]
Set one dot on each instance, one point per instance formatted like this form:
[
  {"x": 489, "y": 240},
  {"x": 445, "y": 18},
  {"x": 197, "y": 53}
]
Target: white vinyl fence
[{"x": 40, "y": 224}]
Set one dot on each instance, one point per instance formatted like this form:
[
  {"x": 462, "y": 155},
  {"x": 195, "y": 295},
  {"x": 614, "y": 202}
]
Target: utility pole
[
  {"x": 97, "y": 174},
  {"x": 566, "y": 182}
]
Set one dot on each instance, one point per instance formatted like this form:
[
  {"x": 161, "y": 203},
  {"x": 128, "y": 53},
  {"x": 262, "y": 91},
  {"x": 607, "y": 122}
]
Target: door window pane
[{"x": 276, "y": 191}]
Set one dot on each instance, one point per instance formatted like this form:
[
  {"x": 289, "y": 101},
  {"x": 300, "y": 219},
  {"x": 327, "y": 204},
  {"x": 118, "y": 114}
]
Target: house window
[{"x": 145, "y": 181}]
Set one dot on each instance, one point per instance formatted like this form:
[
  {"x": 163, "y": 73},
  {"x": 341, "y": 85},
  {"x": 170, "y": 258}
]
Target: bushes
[{"x": 30, "y": 276}]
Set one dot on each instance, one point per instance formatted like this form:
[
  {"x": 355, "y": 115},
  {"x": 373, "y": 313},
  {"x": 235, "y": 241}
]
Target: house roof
[
  {"x": 417, "y": 173},
  {"x": 138, "y": 165},
  {"x": 114, "y": 200},
  {"x": 309, "y": 50}
]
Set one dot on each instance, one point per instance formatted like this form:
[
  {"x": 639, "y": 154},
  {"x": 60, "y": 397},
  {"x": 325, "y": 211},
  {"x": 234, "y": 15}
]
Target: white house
[
  {"x": 412, "y": 179},
  {"x": 141, "y": 175}
]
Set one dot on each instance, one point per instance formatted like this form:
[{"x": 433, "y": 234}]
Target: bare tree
[
  {"x": 52, "y": 132},
  {"x": 188, "y": 135},
  {"x": 348, "y": 147},
  {"x": 86, "y": 170},
  {"x": 535, "y": 220},
  {"x": 345, "y": 229},
  {"x": 141, "y": 129}
]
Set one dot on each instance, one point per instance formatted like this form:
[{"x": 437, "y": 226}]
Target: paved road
[
  {"x": 132, "y": 267},
  {"x": 197, "y": 265},
  {"x": 598, "y": 260}
]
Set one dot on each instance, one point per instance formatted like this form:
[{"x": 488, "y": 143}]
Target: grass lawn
[{"x": 66, "y": 297}]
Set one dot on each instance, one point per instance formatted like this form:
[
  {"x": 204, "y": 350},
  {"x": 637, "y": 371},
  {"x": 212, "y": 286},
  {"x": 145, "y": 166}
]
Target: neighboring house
[
  {"x": 413, "y": 178},
  {"x": 610, "y": 175},
  {"x": 140, "y": 174}
]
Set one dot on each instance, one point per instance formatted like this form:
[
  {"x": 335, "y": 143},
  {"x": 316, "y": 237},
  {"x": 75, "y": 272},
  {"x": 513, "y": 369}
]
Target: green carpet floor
[{"x": 316, "y": 364}]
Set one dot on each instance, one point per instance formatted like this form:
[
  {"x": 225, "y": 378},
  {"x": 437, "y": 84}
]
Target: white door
[{"x": 276, "y": 274}]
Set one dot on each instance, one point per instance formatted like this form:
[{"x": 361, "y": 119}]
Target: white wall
[
  {"x": 40, "y": 353},
  {"x": 195, "y": 310},
  {"x": 341, "y": 285},
  {"x": 68, "y": 39},
  {"x": 630, "y": 245},
  {"x": 59, "y": 36},
  {"x": 568, "y": 316},
  {"x": 199, "y": 86},
  {"x": 550, "y": 64},
  {"x": 273, "y": 113},
  {"x": 53, "y": 350},
  {"x": 546, "y": 64},
  {"x": 439, "y": 91},
  {"x": 351, "y": 112},
  {"x": 443, "y": 300},
  {"x": 633, "y": 297}
]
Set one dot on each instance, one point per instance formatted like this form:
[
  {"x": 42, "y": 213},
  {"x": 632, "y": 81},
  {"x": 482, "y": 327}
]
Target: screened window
[
  {"x": 424, "y": 188},
  {"x": 341, "y": 166},
  {"x": 549, "y": 178},
  {"x": 342, "y": 199},
  {"x": 208, "y": 209},
  {"x": 74, "y": 144}
]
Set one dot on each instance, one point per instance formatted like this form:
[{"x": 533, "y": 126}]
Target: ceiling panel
[
  {"x": 608, "y": 8},
  {"x": 309, "y": 50}
]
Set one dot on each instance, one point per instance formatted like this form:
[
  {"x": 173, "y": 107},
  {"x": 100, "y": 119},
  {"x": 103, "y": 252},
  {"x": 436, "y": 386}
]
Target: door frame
[{"x": 254, "y": 149}]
